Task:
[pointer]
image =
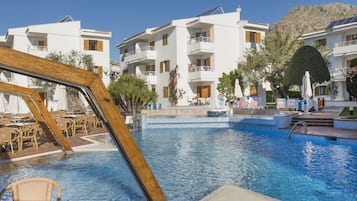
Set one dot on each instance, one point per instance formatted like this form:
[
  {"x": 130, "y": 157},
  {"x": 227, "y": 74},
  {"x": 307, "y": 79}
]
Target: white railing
[
  {"x": 199, "y": 39},
  {"x": 142, "y": 49},
  {"x": 38, "y": 48},
  {"x": 149, "y": 73},
  {"x": 195, "y": 68},
  {"x": 346, "y": 43}
]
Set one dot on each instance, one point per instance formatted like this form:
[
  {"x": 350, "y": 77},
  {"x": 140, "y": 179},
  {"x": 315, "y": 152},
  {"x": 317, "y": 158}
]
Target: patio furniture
[
  {"x": 65, "y": 126},
  {"x": 80, "y": 124},
  {"x": 9, "y": 136},
  {"x": 33, "y": 189},
  {"x": 28, "y": 133}
]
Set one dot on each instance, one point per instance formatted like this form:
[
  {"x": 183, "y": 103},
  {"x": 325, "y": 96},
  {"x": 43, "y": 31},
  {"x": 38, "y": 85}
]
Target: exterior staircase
[{"x": 313, "y": 121}]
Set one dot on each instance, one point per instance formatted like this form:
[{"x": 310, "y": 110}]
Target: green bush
[{"x": 294, "y": 94}]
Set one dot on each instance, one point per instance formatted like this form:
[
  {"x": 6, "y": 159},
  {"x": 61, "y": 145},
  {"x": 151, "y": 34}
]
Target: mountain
[{"x": 310, "y": 18}]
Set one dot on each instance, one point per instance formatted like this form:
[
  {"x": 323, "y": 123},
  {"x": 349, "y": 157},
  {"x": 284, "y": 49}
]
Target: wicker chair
[{"x": 33, "y": 189}]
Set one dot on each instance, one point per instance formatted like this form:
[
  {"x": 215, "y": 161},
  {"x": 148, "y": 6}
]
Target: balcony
[
  {"x": 345, "y": 48},
  {"x": 149, "y": 77},
  {"x": 141, "y": 56},
  {"x": 40, "y": 51},
  {"x": 200, "y": 46},
  {"x": 341, "y": 73},
  {"x": 201, "y": 73}
]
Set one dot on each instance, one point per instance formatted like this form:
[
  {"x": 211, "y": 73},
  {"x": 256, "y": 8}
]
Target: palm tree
[{"x": 131, "y": 94}]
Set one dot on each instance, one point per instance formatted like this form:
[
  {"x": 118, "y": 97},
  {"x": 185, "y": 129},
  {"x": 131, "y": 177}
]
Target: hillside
[{"x": 310, "y": 18}]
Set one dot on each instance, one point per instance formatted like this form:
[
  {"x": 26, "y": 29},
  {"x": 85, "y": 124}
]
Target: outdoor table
[
  {"x": 18, "y": 124},
  {"x": 72, "y": 115}
]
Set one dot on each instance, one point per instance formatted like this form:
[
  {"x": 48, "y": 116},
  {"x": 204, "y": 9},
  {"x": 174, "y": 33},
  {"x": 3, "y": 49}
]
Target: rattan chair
[{"x": 33, "y": 189}]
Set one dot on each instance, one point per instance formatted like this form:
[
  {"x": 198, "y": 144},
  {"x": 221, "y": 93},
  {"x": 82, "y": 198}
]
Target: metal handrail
[{"x": 303, "y": 123}]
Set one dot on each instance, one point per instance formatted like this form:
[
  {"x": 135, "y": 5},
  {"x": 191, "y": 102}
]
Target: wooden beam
[
  {"x": 101, "y": 102},
  {"x": 40, "y": 112},
  {"x": 125, "y": 140}
]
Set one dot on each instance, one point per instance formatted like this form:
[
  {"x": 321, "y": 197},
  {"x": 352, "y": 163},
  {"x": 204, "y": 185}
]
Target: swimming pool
[{"x": 190, "y": 163}]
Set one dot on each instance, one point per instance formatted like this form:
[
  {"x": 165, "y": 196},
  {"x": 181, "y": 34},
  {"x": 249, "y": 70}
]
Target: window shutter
[
  {"x": 45, "y": 42},
  {"x": 247, "y": 36},
  {"x": 100, "y": 46},
  {"x": 208, "y": 61},
  {"x": 100, "y": 71},
  {"x": 253, "y": 90},
  {"x": 86, "y": 44},
  {"x": 205, "y": 91},
  {"x": 166, "y": 92},
  {"x": 167, "y": 66},
  {"x": 326, "y": 91},
  {"x": 316, "y": 91},
  {"x": 208, "y": 35},
  {"x": 161, "y": 67},
  {"x": 258, "y": 37},
  {"x": 199, "y": 92}
]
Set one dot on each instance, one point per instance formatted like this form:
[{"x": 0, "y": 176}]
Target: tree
[
  {"x": 131, "y": 93},
  {"x": 174, "y": 93},
  {"x": 253, "y": 69},
  {"x": 351, "y": 79},
  {"x": 306, "y": 58},
  {"x": 227, "y": 82},
  {"x": 270, "y": 61},
  {"x": 75, "y": 59},
  {"x": 279, "y": 48}
]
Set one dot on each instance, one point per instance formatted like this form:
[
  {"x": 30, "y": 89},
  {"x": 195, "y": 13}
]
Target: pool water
[{"x": 190, "y": 163}]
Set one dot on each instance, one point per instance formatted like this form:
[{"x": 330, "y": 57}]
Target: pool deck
[{"x": 326, "y": 131}]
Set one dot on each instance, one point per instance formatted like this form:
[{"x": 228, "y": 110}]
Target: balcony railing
[
  {"x": 142, "y": 55},
  {"x": 340, "y": 74},
  {"x": 195, "y": 68},
  {"x": 199, "y": 39},
  {"x": 148, "y": 76},
  {"x": 201, "y": 73},
  {"x": 142, "y": 49},
  {"x": 345, "y": 48},
  {"x": 346, "y": 43}
]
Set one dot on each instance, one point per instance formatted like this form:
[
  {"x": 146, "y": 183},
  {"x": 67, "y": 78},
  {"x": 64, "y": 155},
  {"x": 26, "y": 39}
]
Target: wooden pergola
[
  {"x": 39, "y": 111},
  {"x": 98, "y": 97}
]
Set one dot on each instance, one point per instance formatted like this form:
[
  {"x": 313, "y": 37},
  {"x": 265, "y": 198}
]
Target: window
[
  {"x": 164, "y": 39},
  {"x": 152, "y": 45},
  {"x": 320, "y": 43},
  {"x": 321, "y": 91},
  {"x": 153, "y": 88},
  {"x": 203, "y": 91},
  {"x": 94, "y": 45},
  {"x": 150, "y": 69},
  {"x": 42, "y": 45},
  {"x": 252, "y": 37},
  {"x": 165, "y": 66},
  {"x": 166, "y": 92},
  {"x": 351, "y": 37},
  {"x": 98, "y": 70}
]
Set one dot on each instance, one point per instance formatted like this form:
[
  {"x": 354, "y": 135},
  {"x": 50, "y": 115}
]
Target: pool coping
[{"x": 234, "y": 193}]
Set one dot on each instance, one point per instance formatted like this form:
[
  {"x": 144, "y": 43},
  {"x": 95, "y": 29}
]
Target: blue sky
[{"x": 125, "y": 18}]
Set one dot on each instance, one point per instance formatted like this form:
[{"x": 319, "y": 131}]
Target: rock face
[{"x": 310, "y": 18}]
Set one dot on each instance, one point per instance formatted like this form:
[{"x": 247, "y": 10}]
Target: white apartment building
[
  {"x": 63, "y": 36},
  {"x": 341, "y": 38},
  {"x": 202, "y": 48}
]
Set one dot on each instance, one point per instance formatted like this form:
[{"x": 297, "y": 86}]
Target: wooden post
[
  {"x": 101, "y": 102},
  {"x": 39, "y": 111}
]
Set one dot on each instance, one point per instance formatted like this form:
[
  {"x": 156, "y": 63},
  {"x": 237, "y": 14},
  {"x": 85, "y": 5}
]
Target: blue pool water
[{"x": 190, "y": 163}]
